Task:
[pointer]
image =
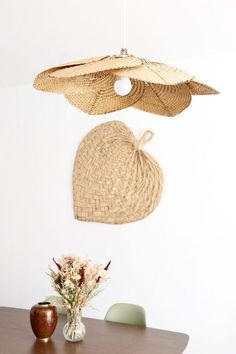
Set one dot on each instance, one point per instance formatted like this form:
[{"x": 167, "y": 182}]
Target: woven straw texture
[
  {"x": 105, "y": 64},
  {"x": 88, "y": 84},
  {"x": 114, "y": 180},
  {"x": 93, "y": 102}
]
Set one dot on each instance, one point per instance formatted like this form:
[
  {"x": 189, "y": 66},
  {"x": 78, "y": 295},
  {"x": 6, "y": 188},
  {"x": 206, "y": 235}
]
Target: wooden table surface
[{"x": 102, "y": 337}]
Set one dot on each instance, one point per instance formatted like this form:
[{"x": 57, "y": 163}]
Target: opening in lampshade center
[{"x": 122, "y": 85}]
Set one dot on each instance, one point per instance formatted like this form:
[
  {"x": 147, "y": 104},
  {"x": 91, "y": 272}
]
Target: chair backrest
[
  {"x": 57, "y": 301},
  {"x": 126, "y": 313}
]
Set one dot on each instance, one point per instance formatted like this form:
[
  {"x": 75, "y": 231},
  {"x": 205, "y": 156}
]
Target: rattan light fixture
[{"x": 91, "y": 84}]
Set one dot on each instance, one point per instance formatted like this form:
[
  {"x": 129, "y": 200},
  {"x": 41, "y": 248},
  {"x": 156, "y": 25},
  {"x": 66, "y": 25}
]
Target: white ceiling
[{"x": 38, "y": 34}]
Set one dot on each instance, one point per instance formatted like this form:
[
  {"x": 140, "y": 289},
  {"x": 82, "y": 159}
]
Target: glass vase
[{"x": 74, "y": 329}]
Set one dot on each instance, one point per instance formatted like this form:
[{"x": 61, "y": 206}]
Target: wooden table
[{"x": 102, "y": 337}]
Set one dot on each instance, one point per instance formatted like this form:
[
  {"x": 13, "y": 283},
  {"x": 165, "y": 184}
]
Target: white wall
[
  {"x": 40, "y": 34},
  {"x": 179, "y": 262}
]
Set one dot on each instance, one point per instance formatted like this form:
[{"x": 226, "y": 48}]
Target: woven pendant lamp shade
[
  {"x": 89, "y": 85},
  {"x": 114, "y": 180}
]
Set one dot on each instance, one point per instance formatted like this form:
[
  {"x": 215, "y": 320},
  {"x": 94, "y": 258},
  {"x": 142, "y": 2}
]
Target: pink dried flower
[
  {"x": 107, "y": 266},
  {"x": 57, "y": 264},
  {"x": 77, "y": 280}
]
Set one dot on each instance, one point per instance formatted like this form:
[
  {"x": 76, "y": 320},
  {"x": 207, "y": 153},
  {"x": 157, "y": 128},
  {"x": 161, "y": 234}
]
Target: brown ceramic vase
[{"x": 43, "y": 319}]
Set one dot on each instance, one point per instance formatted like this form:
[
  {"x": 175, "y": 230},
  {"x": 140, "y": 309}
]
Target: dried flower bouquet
[{"x": 77, "y": 281}]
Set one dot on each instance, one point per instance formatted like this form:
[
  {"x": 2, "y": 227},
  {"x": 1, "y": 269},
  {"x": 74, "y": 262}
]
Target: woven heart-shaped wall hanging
[{"x": 114, "y": 180}]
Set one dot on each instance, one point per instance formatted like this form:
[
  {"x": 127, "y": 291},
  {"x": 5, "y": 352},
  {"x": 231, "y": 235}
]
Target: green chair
[
  {"x": 57, "y": 301},
  {"x": 126, "y": 313}
]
